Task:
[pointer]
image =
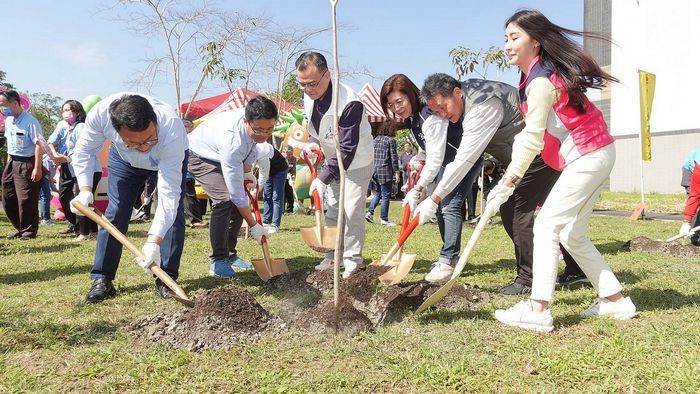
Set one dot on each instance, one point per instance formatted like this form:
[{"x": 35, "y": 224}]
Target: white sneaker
[
  {"x": 271, "y": 228},
  {"x": 325, "y": 264},
  {"x": 440, "y": 272},
  {"x": 350, "y": 267},
  {"x": 388, "y": 223},
  {"x": 521, "y": 315},
  {"x": 620, "y": 310}
]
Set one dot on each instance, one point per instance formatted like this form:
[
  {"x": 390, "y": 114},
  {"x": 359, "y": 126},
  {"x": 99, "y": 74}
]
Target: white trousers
[
  {"x": 356, "y": 184},
  {"x": 564, "y": 219}
]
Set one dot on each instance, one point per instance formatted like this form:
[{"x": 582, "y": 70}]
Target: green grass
[
  {"x": 50, "y": 340},
  {"x": 655, "y": 202}
]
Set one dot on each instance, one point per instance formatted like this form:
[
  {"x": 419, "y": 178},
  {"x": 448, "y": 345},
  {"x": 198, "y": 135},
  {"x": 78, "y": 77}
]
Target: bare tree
[{"x": 181, "y": 25}]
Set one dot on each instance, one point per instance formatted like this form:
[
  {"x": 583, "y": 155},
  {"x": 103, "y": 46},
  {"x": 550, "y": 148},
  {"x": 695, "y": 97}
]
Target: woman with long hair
[
  {"x": 62, "y": 141},
  {"x": 567, "y": 129}
]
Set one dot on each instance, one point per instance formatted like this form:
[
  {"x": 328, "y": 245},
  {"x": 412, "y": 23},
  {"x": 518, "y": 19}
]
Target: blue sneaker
[
  {"x": 221, "y": 269},
  {"x": 238, "y": 262}
]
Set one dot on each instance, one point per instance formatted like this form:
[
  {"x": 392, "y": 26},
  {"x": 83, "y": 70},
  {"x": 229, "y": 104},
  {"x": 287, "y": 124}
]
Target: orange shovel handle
[{"x": 408, "y": 230}]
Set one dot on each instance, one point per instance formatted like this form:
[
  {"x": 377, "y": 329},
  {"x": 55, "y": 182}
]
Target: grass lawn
[{"x": 51, "y": 341}]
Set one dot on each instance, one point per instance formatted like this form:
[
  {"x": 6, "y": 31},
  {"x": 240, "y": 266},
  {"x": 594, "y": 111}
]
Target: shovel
[
  {"x": 692, "y": 231},
  {"x": 489, "y": 210},
  {"x": 179, "y": 295},
  {"x": 403, "y": 264},
  {"x": 319, "y": 238},
  {"x": 267, "y": 267},
  {"x": 404, "y": 261}
]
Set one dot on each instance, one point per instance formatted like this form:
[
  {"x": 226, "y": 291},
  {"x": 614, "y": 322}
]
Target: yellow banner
[{"x": 647, "y": 84}]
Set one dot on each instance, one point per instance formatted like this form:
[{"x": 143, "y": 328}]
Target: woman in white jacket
[{"x": 570, "y": 132}]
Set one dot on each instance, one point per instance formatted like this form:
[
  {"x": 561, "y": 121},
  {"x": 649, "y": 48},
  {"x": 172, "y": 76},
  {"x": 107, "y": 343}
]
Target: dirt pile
[
  {"x": 221, "y": 318},
  {"x": 673, "y": 248},
  {"x": 225, "y": 316}
]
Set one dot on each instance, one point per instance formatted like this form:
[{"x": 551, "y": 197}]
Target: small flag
[{"x": 647, "y": 84}]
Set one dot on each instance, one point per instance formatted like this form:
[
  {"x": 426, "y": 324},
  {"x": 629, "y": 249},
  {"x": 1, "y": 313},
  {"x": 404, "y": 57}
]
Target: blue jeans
[
  {"x": 384, "y": 194},
  {"x": 273, "y": 196},
  {"x": 450, "y": 218},
  {"x": 123, "y": 186},
  {"x": 45, "y": 199}
]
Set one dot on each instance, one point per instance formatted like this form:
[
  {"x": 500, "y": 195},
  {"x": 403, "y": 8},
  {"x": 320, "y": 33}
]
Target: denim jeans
[
  {"x": 45, "y": 199},
  {"x": 384, "y": 194},
  {"x": 124, "y": 182},
  {"x": 449, "y": 215},
  {"x": 273, "y": 196}
]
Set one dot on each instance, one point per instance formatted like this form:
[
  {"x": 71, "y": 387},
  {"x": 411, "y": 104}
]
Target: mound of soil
[
  {"x": 221, "y": 318},
  {"x": 674, "y": 248},
  {"x": 226, "y": 316}
]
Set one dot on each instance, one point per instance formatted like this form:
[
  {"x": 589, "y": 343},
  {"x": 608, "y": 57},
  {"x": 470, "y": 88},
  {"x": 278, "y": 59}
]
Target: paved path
[{"x": 648, "y": 215}]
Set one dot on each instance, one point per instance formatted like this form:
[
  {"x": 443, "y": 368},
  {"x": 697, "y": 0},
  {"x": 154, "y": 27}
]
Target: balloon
[{"x": 90, "y": 101}]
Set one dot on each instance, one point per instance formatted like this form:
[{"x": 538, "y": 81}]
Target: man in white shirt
[
  {"x": 222, "y": 151},
  {"x": 147, "y": 137}
]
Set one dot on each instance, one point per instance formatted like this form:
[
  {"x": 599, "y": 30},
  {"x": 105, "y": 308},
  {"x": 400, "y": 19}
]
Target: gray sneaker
[{"x": 516, "y": 288}]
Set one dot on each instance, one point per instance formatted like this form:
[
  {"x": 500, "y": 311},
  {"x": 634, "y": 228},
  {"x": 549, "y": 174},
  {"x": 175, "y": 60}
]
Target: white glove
[
  {"x": 685, "y": 230},
  {"x": 500, "y": 194},
  {"x": 426, "y": 211},
  {"x": 404, "y": 187},
  {"x": 85, "y": 198},
  {"x": 412, "y": 198},
  {"x": 147, "y": 200},
  {"x": 318, "y": 185},
  {"x": 257, "y": 232},
  {"x": 310, "y": 150},
  {"x": 151, "y": 256},
  {"x": 253, "y": 181}
]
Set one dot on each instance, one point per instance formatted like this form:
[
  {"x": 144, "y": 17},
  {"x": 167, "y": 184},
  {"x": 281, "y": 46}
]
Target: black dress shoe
[
  {"x": 100, "y": 290},
  {"x": 516, "y": 288},
  {"x": 163, "y": 291}
]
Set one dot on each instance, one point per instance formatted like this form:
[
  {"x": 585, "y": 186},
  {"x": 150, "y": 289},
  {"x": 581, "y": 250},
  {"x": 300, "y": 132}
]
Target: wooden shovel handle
[{"x": 119, "y": 236}]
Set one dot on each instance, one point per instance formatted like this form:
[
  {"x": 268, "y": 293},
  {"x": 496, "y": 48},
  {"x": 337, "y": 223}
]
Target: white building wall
[{"x": 659, "y": 37}]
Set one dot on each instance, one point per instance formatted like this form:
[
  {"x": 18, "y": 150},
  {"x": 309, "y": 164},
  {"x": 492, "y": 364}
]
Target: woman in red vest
[{"x": 568, "y": 131}]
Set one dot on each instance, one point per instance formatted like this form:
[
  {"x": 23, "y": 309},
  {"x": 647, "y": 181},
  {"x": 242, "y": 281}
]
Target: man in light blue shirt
[
  {"x": 222, "y": 151},
  {"x": 147, "y": 137},
  {"x": 22, "y": 174}
]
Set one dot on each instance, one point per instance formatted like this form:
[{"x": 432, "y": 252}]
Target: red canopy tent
[{"x": 226, "y": 102}]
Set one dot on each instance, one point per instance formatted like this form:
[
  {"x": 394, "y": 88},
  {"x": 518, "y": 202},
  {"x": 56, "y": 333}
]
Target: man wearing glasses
[
  {"x": 222, "y": 151},
  {"x": 356, "y": 149},
  {"x": 147, "y": 138}
]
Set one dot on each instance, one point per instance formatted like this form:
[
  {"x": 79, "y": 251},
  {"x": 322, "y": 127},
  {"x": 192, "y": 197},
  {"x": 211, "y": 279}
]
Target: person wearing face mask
[
  {"x": 20, "y": 179},
  {"x": 147, "y": 136},
  {"x": 222, "y": 152},
  {"x": 62, "y": 142}
]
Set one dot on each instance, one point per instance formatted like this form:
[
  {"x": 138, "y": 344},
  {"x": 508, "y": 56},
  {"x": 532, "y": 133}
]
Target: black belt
[{"x": 22, "y": 158}]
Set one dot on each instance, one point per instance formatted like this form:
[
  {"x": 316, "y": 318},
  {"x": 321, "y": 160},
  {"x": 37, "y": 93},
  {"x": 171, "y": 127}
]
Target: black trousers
[
  {"x": 192, "y": 211},
  {"x": 518, "y": 215},
  {"x": 66, "y": 192}
]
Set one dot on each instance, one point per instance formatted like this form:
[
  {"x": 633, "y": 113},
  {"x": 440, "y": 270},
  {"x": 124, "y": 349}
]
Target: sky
[{"x": 71, "y": 49}]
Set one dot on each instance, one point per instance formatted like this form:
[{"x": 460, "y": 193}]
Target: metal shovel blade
[
  {"x": 489, "y": 210},
  {"x": 323, "y": 245},
  {"x": 399, "y": 269},
  {"x": 277, "y": 267}
]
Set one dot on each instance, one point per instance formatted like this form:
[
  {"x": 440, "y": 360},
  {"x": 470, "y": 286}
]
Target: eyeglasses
[
  {"x": 397, "y": 103},
  {"x": 262, "y": 131},
  {"x": 311, "y": 85},
  {"x": 139, "y": 145}
]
